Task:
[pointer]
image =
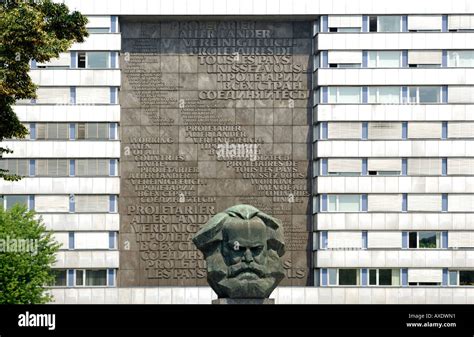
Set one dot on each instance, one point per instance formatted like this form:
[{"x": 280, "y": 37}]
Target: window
[
  {"x": 348, "y": 30},
  {"x": 384, "y": 59},
  {"x": 15, "y": 166},
  {"x": 98, "y": 30},
  {"x": 384, "y": 95},
  {"x": 425, "y": 95},
  {"x": 332, "y": 276},
  {"x": 97, "y": 60},
  {"x": 385, "y": 23},
  {"x": 92, "y": 131},
  {"x": 466, "y": 277},
  {"x": 461, "y": 58},
  {"x": 344, "y": 203},
  {"x": 52, "y": 167},
  {"x": 92, "y": 167},
  {"x": 424, "y": 240},
  {"x": 384, "y": 277},
  {"x": 345, "y": 95},
  {"x": 91, "y": 278},
  {"x": 52, "y": 131},
  {"x": 81, "y": 60},
  {"x": 12, "y": 200},
  {"x": 348, "y": 277},
  {"x": 453, "y": 278},
  {"x": 60, "y": 278}
]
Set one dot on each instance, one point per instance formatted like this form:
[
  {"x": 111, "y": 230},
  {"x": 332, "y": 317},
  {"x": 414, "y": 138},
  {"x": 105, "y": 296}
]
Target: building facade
[{"x": 365, "y": 106}]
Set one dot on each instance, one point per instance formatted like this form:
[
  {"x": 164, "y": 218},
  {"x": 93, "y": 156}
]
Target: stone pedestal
[{"x": 244, "y": 301}]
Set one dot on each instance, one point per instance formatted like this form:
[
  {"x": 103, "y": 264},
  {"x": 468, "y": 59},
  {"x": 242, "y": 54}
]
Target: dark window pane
[
  {"x": 385, "y": 277},
  {"x": 427, "y": 239},
  {"x": 348, "y": 277},
  {"x": 96, "y": 278},
  {"x": 79, "y": 277},
  {"x": 16, "y": 199},
  {"x": 81, "y": 60},
  {"x": 466, "y": 277},
  {"x": 373, "y": 277},
  {"x": 59, "y": 278},
  {"x": 373, "y": 24},
  {"x": 412, "y": 240}
]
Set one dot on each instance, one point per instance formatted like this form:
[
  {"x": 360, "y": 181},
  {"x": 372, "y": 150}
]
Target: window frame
[
  {"x": 337, "y": 210},
  {"x": 377, "y": 58}
]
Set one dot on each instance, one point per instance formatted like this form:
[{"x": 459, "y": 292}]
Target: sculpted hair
[{"x": 208, "y": 238}]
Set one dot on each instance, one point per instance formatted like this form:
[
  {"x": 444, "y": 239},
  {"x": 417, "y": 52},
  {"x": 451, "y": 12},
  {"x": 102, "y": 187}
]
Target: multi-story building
[{"x": 390, "y": 130}]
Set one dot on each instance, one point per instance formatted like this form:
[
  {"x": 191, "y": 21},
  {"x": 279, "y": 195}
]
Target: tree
[
  {"x": 29, "y": 29},
  {"x": 27, "y": 251}
]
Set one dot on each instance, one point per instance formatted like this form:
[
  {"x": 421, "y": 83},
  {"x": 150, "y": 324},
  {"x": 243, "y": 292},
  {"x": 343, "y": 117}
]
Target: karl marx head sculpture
[{"x": 242, "y": 247}]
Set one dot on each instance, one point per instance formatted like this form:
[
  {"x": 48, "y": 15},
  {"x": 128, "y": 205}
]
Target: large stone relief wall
[{"x": 214, "y": 113}]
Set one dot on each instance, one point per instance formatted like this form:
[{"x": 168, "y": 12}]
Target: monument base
[{"x": 244, "y": 301}]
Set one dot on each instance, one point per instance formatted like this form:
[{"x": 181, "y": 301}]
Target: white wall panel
[
  {"x": 63, "y": 149},
  {"x": 384, "y": 202},
  {"x": 424, "y": 130},
  {"x": 344, "y": 240},
  {"x": 384, "y": 164},
  {"x": 345, "y": 57},
  {"x": 460, "y": 22},
  {"x": 68, "y": 113},
  {"x": 81, "y": 222},
  {"x": 99, "y": 42},
  {"x": 460, "y": 130},
  {"x": 425, "y": 22},
  {"x": 91, "y": 240},
  {"x": 461, "y": 94},
  {"x": 460, "y": 202},
  {"x": 87, "y": 259},
  {"x": 51, "y": 203},
  {"x": 425, "y": 57},
  {"x": 424, "y": 202},
  {"x": 75, "y": 77},
  {"x": 384, "y": 239},
  {"x": 425, "y": 275},
  {"x": 62, "y": 238},
  {"x": 64, "y": 60},
  {"x": 63, "y": 185},
  {"x": 384, "y": 130},
  {"x": 98, "y": 21},
  {"x": 345, "y": 21},
  {"x": 344, "y": 130},
  {"x": 424, "y": 166},
  {"x": 344, "y": 165},
  {"x": 460, "y": 166},
  {"x": 460, "y": 239}
]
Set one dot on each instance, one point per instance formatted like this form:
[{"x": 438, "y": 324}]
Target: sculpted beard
[{"x": 227, "y": 277}]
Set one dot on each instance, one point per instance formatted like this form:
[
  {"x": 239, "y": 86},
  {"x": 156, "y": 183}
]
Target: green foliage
[
  {"x": 29, "y": 30},
  {"x": 24, "y": 273}
]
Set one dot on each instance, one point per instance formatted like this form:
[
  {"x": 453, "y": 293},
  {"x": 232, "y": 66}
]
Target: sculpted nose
[{"x": 248, "y": 257}]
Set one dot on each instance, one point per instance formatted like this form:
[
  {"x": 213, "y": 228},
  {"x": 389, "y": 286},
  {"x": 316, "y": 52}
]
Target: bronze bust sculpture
[{"x": 242, "y": 247}]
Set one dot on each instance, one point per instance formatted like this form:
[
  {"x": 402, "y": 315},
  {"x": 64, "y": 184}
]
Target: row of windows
[
  {"x": 394, "y": 130},
  {"x": 61, "y": 167},
  {"x": 74, "y": 95},
  {"x": 63, "y": 203},
  {"x": 394, "y": 167},
  {"x": 395, "y": 277},
  {"x": 86, "y": 240},
  {"x": 81, "y": 60},
  {"x": 395, "y": 23},
  {"x": 406, "y": 240},
  {"x": 395, "y": 59},
  {"x": 385, "y": 95},
  {"x": 73, "y": 131},
  {"x": 84, "y": 278},
  {"x": 102, "y": 24},
  {"x": 394, "y": 203}
]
